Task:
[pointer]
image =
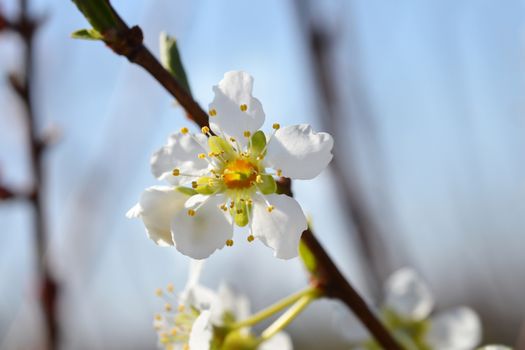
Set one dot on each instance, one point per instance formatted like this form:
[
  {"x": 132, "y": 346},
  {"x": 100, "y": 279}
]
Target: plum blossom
[
  {"x": 407, "y": 312},
  {"x": 224, "y": 177},
  {"x": 192, "y": 319}
]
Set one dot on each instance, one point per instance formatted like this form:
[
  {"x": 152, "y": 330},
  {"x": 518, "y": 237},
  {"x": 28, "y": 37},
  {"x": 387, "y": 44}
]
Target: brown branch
[
  {"x": 26, "y": 26},
  {"x": 128, "y": 42}
]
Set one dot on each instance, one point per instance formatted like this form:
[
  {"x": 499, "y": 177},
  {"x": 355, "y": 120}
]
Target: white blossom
[{"x": 231, "y": 174}]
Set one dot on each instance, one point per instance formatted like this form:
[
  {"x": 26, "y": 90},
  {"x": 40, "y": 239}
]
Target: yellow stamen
[
  {"x": 229, "y": 242},
  {"x": 194, "y": 184},
  {"x": 247, "y": 133},
  {"x": 279, "y": 172},
  {"x": 270, "y": 208},
  {"x": 205, "y": 130},
  {"x": 181, "y": 308},
  {"x": 175, "y": 172},
  {"x": 170, "y": 288},
  {"x": 191, "y": 212},
  {"x": 276, "y": 126},
  {"x": 212, "y": 112},
  {"x": 184, "y": 130},
  {"x": 244, "y": 107},
  {"x": 202, "y": 155},
  {"x": 158, "y": 292},
  {"x": 250, "y": 238},
  {"x": 167, "y": 307},
  {"x": 158, "y": 317}
]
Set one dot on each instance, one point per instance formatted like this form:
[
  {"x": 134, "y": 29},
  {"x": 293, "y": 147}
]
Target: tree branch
[{"x": 128, "y": 42}]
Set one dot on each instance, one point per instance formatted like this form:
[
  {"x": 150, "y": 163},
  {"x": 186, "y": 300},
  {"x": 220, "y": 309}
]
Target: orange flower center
[{"x": 239, "y": 174}]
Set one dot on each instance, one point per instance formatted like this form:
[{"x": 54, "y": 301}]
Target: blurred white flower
[
  {"x": 409, "y": 299},
  {"x": 191, "y": 320},
  {"x": 494, "y": 347},
  {"x": 231, "y": 178}
]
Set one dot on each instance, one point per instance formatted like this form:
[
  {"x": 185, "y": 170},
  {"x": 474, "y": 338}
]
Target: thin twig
[
  {"x": 129, "y": 43},
  {"x": 26, "y": 26}
]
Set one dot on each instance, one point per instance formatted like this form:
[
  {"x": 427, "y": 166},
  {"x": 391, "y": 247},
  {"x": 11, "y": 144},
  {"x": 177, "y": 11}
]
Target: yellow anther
[
  {"x": 170, "y": 347},
  {"x": 174, "y": 331},
  {"x": 194, "y": 184},
  {"x": 247, "y": 133},
  {"x": 229, "y": 242},
  {"x": 244, "y": 107},
  {"x": 191, "y": 212},
  {"x": 181, "y": 308},
  {"x": 168, "y": 307},
  {"x": 158, "y": 292},
  {"x": 212, "y": 112},
  {"x": 250, "y": 238},
  {"x": 202, "y": 155},
  {"x": 224, "y": 207},
  {"x": 184, "y": 130},
  {"x": 170, "y": 288},
  {"x": 279, "y": 172},
  {"x": 158, "y": 317},
  {"x": 259, "y": 179},
  {"x": 239, "y": 211},
  {"x": 232, "y": 204},
  {"x": 270, "y": 208},
  {"x": 186, "y": 347},
  {"x": 232, "y": 139},
  {"x": 249, "y": 202},
  {"x": 165, "y": 340},
  {"x": 276, "y": 126},
  {"x": 175, "y": 172},
  {"x": 205, "y": 130}
]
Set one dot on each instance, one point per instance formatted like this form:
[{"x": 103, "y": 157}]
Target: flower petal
[
  {"x": 234, "y": 91},
  {"x": 157, "y": 207},
  {"x": 299, "y": 152},
  {"x": 281, "y": 228},
  {"x": 280, "y": 341},
  {"x": 230, "y": 302},
  {"x": 180, "y": 152},
  {"x": 408, "y": 295},
  {"x": 200, "y": 235},
  {"x": 456, "y": 329},
  {"x": 201, "y": 332}
]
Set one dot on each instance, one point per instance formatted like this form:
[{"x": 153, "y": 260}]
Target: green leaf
[
  {"x": 171, "y": 60},
  {"x": 308, "y": 258},
  {"x": 267, "y": 184},
  {"x": 87, "y": 34},
  {"x": 257, "y": 143},
  {"x": 98, "y": 13}
]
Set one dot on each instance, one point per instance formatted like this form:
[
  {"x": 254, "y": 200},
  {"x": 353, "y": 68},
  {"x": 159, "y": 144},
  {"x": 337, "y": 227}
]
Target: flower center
[{"x": 239, "y": 173}]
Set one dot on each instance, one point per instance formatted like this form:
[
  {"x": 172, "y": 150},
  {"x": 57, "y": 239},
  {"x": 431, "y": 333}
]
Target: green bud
[
  {"x": 170, "y": 58},
  {"x": 87, "y": 34},
  {"x": 307, "y": 257}
]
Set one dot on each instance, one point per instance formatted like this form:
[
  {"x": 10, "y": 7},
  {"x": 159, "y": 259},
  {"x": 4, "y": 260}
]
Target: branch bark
[
  {"x": 128, "y": 42},
  {"x": 26, "y": 26}
]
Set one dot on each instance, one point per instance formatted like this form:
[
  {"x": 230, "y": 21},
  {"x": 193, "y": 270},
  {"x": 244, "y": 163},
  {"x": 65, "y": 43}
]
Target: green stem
[
  {"x": 286, "y": 318},
  {"x": 269, "y": 311}
]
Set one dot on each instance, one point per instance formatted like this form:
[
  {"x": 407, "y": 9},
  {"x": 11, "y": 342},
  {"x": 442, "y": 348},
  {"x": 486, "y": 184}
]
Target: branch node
[{"x": 125, "y": 43}]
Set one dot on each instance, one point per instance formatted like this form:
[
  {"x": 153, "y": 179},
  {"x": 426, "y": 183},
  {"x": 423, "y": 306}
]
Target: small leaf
[
  {"x": 87, "y": 34},
  {"x": 171, "y": 60},
  {"x": 99, "y": 14},
  {"x": 308, "y": 258}
]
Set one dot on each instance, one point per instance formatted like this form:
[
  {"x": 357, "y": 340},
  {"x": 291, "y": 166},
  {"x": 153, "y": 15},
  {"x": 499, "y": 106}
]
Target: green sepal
[
  {"x": 307, "y": 257},
  {"x": 186, "y": 190},
  {"x": 267, "y": 184},
  {"x": 240, "y": 213},
  {"x": 221, "y": 146},
  {"x": 171, "y": 60},
  {"x": 240, "y": 341},
  {"x": 87, "y": 34},
  {"x": 204, "y": 186},
  {"x": 257, "y": 143}
]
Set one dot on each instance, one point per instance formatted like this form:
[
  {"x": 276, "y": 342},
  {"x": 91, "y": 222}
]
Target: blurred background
[{"x": 425, "y": 102}]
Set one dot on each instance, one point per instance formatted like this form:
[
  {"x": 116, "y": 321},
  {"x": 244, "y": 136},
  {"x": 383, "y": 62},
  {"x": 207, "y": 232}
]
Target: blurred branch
[
  {"x": 26, "y": 26},
  {"x": 320, "y": 43},
  {"x": 127, "y": 41}
]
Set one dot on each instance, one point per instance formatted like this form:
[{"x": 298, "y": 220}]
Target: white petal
[
  {"x": 201, "y": 332},
  {"x": 494, "y": 347},
  {"x": 234, "y": 90},
  {"x": 157, "y": 207},
  {"x": 299, "y": 152},
  {"x": 457, "y": 329},
  {"x": 280, "y": 341},
  {"x": 280, "y": 229},
  {"x": 180, "y": 152},
  {"x": 200, "y": 235},
  {"x": 195, "y": 294},
  {"x": 229, "y": 301},
  {"x": 408, "y": 295}
]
